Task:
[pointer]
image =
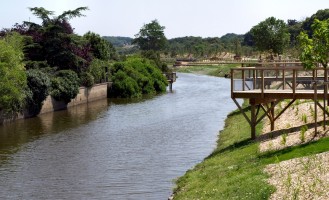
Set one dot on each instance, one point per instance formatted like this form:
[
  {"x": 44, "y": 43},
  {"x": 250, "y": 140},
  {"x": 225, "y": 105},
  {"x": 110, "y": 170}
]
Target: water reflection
[
  {"x": 114, "y": 149},
  {"x": 14, "y": 134}
]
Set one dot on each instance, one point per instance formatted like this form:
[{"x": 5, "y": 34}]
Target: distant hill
[{"x": 119, "y": 41}]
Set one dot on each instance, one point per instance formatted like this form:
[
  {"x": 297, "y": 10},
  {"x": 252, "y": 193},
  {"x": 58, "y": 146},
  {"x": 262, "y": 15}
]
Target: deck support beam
[{"x": 254, "y": 119}]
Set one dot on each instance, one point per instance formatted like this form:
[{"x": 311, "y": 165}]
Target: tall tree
[
  {"x": 271, "y": 35},
  {"x": 151, "y": 37},
  {"x": 101, "y": 48},
  {"x": 315, "y": 50},
  {"x": 320, "y": 15}
]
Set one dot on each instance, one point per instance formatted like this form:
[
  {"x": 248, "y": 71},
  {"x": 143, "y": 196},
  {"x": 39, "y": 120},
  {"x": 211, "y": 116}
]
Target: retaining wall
[{"x": 85, "y": 95}]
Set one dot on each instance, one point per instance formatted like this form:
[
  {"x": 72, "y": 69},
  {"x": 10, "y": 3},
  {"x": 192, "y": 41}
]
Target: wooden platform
[{"x": 265, "y": 87}]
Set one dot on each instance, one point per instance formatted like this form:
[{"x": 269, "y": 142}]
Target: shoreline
[
  {"x": 237, "y": 169},
  {"x": 85, "y": 95}
]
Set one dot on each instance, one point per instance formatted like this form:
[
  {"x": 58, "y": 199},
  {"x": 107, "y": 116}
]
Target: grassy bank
[
  {"x": 235, "y": 169},
  {"x": 218, "y": 70}
]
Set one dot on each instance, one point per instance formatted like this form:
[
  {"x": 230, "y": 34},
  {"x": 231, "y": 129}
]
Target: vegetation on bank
[
  {"x": 49, "y": 58},
  {"x": 136, "y": 76},
  {"x": 272, "y": 35},
  {"x": 215, "y": 70},
  {"x": 235, "y": 170}
]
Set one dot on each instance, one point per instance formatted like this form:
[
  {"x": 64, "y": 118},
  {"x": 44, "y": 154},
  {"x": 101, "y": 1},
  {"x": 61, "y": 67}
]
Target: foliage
[
  {"x": 65, "y": 85},
  {"x": 38, "y": 83},
  {"x": 98, "y": 69},
  {"x": 12, "y": 74},
  {"x": 315, "y": 50},
  {"x": 119, "y": 41},
  {"x": 124, "y": 86},
  {"x": 271, "y": 35},
  {"x": 152, "y": 55},
  {"x": 101, "y": 48},
  {"x": 294, "y": 29},
  {"x": 53, "y": 41},
  {"x": 307, "y": 23},
  {"x": 151, "y": 37},
  {"x": 86, "y": 79},
  {"x": 136, "y": 76}
]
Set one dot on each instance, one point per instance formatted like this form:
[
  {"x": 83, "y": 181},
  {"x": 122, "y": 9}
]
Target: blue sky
[{"x": 205, "y": 18}]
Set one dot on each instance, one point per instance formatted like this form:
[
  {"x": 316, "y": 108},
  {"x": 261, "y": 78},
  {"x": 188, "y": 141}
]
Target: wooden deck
[{"x": 265, "y": 87}]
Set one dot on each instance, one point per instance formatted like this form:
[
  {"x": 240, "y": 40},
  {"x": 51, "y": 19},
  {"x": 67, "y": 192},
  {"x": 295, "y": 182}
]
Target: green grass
[
  {"x": 235, "y": 169},
  {"x": 219, "y": 70}
]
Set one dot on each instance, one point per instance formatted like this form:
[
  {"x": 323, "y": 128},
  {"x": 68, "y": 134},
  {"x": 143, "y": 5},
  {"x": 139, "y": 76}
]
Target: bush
[
  {"x": 65, "y": 85},
  {"x": 12, "y": 75},
  {"x": 141, "y": 72},
  {"x": 38, "y": 83},
  {"x": 97, "y": 69},
  {"x": 124, "y": 86},
  {"x": 87, "y": 79}
]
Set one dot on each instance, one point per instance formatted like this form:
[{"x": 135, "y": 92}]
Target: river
[{"x": 114, "y": 149}]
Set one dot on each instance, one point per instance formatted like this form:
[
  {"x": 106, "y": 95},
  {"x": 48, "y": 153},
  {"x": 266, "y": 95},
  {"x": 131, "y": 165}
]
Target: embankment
[
  {"x": 236, "y": 168},
  {"x": 85, "y": 95}
]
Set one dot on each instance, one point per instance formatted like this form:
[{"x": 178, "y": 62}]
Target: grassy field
[
  {"x": 235, "y": 169},
  {"x": 219, "y": 70}
]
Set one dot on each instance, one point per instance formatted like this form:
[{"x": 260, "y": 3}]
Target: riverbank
[
  {"x": 216, "y": 70},
  {"x": 85, "y": 95},
  {"x": 237, "y": 169}
]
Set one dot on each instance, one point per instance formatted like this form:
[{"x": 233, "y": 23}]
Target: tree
[
  {"x": 151, "y": 37},
  {"x": 54, "y": 41},
  {"x": 12, "y": 74},
  {"x": 271, "y": 35},
  {"x": 101, "y": 48},
  {"x": 320, "y": 15},
  {"x": 38, "y": 83},
  {"x": 65, "y": 85},
  {"x": 315, "y": 50},
  {"x": 294, "y": 28}
]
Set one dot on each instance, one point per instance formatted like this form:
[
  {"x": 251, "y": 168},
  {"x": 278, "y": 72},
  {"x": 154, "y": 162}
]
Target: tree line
[
  {"x": 271, "y": 36},
  {"x": 37, "y": 60},
  {"x": 49, "y": 58}
]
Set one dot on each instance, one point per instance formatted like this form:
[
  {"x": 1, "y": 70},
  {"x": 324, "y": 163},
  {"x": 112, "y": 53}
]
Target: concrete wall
[{"x": 85, "y": 95}]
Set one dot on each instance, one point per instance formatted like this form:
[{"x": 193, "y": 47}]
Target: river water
[{"x": 114, "y": 149}]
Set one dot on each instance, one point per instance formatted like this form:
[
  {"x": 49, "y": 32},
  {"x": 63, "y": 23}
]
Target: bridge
[
  {"x": 243, "y": 62},
  {"x": 266, "y": 86}
]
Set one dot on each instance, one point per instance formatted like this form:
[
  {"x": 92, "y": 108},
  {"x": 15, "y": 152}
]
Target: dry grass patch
[{"x": 301, "y": 178}]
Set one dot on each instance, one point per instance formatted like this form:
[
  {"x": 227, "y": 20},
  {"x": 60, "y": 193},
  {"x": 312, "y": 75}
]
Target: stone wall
[{"x": 85, "y": 95}]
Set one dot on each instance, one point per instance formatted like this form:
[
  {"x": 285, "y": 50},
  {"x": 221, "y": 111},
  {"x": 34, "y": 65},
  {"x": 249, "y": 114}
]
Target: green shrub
[
  {"x": 148, "y": 78},
  {"x": 13, "y": 81},
  {"x": 124, "y": 86},
  {"x": 87, "y": 79},
  {"x": 97, "y": 69},
  {"x": 38, "y": 83},
  {"x": 65, "y": 85}
]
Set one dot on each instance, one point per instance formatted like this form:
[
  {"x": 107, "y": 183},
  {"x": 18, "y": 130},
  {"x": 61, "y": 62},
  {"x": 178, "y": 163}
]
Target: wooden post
[
  {"x": 253, "y": 120},
  {"x": 325, "y": 97},
  {"x": 315, "y": 107},
  {"x": 262, "y": 82},
  {"x": 294, "y": 82},
  {"x": 254, "y": 78},
  {"x": 272, "y": 116},
  {"x": 232, "y": 83},
  {"x": 243, "y": 80},
  {"x": 284, "y": 79}
]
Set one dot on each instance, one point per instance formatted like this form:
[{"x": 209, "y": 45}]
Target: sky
[{"x": 204, "y": 18}]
